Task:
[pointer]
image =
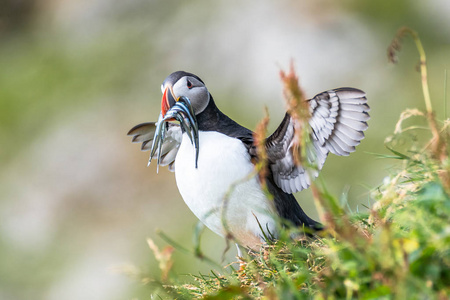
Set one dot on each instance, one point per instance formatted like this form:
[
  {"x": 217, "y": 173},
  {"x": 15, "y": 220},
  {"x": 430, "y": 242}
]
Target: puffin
[{"x": 214, "y": 158}]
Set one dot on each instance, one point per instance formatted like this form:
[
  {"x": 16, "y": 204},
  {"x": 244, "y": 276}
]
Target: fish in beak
[{"x": 173, "y": 109}]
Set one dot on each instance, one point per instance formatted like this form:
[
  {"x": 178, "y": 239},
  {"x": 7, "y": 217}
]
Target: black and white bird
[{"x": 212, "y": 156}]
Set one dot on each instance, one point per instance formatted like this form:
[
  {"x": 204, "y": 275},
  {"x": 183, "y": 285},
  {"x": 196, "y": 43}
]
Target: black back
[{"x": 212, "y": 119}]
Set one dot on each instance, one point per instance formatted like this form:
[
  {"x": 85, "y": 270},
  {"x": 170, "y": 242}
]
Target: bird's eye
[{"x": 189, "y": 84}]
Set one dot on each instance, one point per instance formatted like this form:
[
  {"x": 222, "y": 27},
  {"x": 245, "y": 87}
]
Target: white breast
[{"x": 224, "y": 161}]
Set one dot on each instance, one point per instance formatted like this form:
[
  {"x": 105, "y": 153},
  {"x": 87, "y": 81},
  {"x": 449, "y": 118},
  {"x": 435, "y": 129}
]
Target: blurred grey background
[{"x": 76, "y": 197}]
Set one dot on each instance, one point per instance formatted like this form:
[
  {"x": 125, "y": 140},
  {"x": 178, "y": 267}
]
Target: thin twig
[{"x": 439, "y": 149}]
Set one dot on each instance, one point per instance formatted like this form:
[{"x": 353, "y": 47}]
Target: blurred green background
[{"x": 76, "y": 197}]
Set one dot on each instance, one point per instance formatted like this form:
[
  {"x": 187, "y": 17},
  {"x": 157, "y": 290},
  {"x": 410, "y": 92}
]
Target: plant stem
[
  {"x": 438, "y": 150},
  {"x": 423, "y": 68}
]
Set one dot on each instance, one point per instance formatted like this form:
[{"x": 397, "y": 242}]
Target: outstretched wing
[
  {"x": 338, "y": 119},
  {"x": 144, "y": 133}
]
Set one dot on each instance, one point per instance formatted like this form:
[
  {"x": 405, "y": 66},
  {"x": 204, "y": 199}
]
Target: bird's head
[
  {"x": 179, "y": 85},
  {"x": 184, "y": 97}
]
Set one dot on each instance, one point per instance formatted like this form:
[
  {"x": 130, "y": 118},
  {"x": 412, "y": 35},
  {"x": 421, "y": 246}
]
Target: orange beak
[{"x": 167, "y": 101}]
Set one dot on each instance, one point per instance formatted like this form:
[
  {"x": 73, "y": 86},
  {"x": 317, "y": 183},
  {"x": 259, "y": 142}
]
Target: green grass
[{"x": 399, "y": 248}]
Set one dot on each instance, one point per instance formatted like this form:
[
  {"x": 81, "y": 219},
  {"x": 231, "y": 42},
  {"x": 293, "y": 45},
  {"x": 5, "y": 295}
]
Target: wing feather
[
  {"x": 338, "y": 119},
  {"x": 144, "y": 133}
]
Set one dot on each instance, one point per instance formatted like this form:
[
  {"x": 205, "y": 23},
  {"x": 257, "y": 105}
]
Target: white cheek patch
[
  {"x": 198, "y": 94},
  {"x": 179, "y": 88},
  {"x": 162, "y": 89}
]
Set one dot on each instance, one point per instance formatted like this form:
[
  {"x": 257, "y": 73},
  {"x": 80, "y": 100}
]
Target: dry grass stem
[
  {"x": 439, "y": 147},
  {"x": 259, "y": 138},
  {"x": 298, "y": 109}
]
